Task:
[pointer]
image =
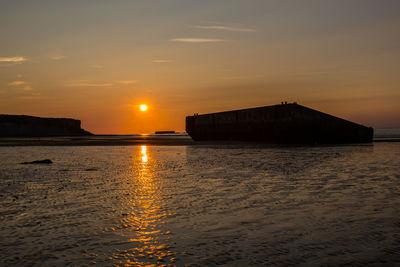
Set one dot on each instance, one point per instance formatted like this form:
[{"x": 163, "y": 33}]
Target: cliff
[
  {"x": 29, "y": 126},
  {"x": 285, "y": 123}
]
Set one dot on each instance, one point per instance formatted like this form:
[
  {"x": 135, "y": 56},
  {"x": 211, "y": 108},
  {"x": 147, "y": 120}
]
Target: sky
[{"x": 98, "y": 61}]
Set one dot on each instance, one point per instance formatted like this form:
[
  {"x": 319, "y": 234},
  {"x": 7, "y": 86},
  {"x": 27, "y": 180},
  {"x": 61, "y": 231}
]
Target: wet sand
[{"x": 201, "y": 205}]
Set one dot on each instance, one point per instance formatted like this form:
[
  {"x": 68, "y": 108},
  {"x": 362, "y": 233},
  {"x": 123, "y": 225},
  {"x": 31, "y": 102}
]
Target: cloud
[
  {"x": 248, "y": 77},
  {"x": 57, "y": 57},
  {"x": 127, "y": 82},
  {"x": 332, "y": 72},
  {"x": 88, "y": 84},
  {"x": 26, "y": 86},
  {"x": 197, "y": 40},
  {"x": 29, "y": 96},
  {"x": 224, "y": 28},
  {"x": 12, "y": 59},
  {"x": 161, "y": 61},
  {"x": 17, "y": 83}
]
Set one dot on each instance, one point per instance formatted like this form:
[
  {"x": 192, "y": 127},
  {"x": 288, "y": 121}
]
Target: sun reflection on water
[
  {"x": 142, "y": 225},
  {"x": 144, "y": 154}
]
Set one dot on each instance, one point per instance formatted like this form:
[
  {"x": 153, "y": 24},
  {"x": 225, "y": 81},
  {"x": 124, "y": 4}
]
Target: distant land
[
  {"x": 30, "y": 126},
  {"x": 165, "y": 132},
  {"x": 23, "y": 130}
]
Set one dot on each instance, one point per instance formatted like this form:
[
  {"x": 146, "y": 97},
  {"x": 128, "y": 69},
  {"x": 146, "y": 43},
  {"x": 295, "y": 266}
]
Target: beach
[{"x": 210, "y": 204}]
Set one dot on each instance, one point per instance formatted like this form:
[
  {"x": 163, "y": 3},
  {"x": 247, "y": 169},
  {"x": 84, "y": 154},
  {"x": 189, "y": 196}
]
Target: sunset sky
[{"x": 98, "y": 61}]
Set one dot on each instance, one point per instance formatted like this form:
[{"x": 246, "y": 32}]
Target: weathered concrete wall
[
  {"x": 28, "y": 126},
  {"x": 286, "y": 123}
]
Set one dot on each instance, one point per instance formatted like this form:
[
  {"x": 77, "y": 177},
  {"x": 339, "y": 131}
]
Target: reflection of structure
[{"x": 285, "y": 123}]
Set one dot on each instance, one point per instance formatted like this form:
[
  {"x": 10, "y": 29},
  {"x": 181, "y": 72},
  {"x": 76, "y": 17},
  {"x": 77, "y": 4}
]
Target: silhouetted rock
[
  {"x": 283, "y": 124},
  {"x": 29, "y": 126},
  {"x": 44, "y": 161}
]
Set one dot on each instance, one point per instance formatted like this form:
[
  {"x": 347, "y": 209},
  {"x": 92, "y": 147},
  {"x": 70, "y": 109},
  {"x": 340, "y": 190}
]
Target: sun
[{"x": 143, "y": 107}]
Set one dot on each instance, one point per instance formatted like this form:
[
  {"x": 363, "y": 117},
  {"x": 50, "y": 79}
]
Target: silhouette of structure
[
  {"x": 164, "y": 132},
  {"x": 285, "y": 124},
  {"x": 29, "y": 126}
]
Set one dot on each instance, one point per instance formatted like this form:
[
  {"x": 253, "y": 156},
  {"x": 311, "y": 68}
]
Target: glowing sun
[{"x": 143, "y": 107}]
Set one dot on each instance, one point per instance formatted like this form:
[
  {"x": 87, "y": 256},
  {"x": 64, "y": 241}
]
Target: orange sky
[{"x": 97, "y": 61}]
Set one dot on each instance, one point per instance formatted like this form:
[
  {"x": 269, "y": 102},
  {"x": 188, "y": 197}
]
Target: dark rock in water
[
  {"x": 29, "y": 126},
  {"x": 44, "y": 161}
]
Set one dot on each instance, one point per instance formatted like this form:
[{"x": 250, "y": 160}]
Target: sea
[{"x": 231, "y": 204}]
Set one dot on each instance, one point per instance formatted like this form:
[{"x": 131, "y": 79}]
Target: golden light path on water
[
  {"x": 147, "y": 241},
  {"x": 144, "y": 155}
]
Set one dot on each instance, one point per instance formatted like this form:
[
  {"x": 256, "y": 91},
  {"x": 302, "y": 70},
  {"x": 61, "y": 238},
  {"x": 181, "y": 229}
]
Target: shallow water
[{"x": 201, "y": 205}]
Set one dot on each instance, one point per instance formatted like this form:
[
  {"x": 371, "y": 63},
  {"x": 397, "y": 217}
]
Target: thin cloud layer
[
  {"x": 223, "y": 28},
  {"x": 97, "y": 66},
  {"x": 12, "y": 59},
  {"x": 127, "y": 82},
  {"x": 57, "y": 57},
  {"x": 21, "y": 84},
  {"x": 161, "y": 61},
  {"x": 197, "y": 40},
  {"x": 17, "y": 83},
  {"x": 87, "y": 84}
]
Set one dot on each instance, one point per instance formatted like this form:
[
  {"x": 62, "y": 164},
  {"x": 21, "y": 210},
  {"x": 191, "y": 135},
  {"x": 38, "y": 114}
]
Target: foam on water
[{"x": 204, "y": 205}]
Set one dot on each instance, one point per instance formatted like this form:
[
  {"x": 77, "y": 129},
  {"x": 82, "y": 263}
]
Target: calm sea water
[{"x": 204, "y": 205}]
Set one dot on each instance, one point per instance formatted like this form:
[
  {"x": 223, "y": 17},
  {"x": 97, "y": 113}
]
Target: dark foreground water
[{"x": 203, "y": 205}]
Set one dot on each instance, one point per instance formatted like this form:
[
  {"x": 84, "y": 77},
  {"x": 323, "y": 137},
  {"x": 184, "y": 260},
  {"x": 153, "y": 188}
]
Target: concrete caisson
[{"x": 285, "y": 123}]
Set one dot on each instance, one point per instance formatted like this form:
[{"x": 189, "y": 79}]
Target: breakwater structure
[
  {"x": 282, "y": 124},
  {"x": 30, "y": 126}
]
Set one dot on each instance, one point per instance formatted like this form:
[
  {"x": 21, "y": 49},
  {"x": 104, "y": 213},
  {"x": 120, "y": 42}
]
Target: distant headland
[{"x": 30, "y": 126}]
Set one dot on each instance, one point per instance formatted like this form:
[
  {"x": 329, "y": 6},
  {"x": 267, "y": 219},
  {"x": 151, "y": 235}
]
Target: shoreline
[
  {"x": 98, "y": 140},
  {"x": 129, "y": 140}
]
